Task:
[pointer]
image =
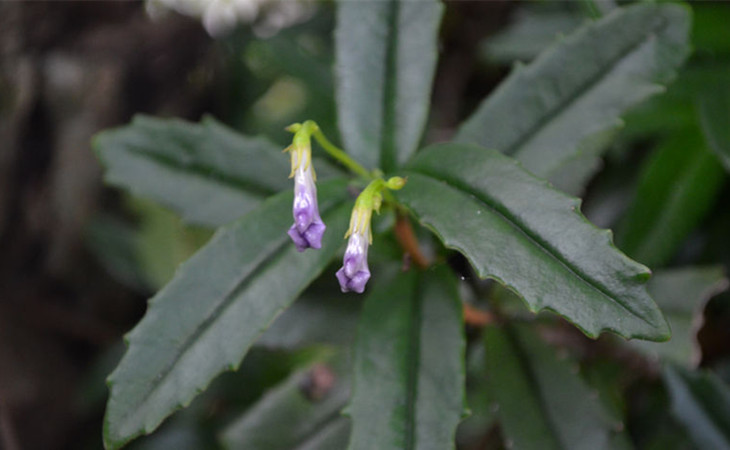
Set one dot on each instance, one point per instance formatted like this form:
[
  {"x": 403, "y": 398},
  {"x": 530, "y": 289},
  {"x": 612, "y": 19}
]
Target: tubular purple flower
[
  {"x": 308, "y": 227},
  {"x": 355, "y": 273}
]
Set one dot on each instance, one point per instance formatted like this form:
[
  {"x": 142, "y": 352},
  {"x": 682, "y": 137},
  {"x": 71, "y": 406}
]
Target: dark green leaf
[
  {"x": 218, "y": 303},
  {"x": 532, "y": 29},
  {"x": 317, "y": 317},
  {"x": 289, "y": 418},
  {"x": 544, "y": 113},
  {"x": 206, "y": 172},
  {"x": 714, "y": 111},
  {"x": 516, "y": 229},
  {"x": 676, "y": 189},
  {"x": 682, "y": 294},
  {"x": 543, "y": 402},
  {"x": 409, "y": 364},
  {"x": 386, "y": 57},
  {"x": 701, "y": 402}
]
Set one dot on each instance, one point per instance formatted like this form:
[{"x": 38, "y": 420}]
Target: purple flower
[
  {"x": 355, "y": 273},
  {"x": 308, "y": 227}
]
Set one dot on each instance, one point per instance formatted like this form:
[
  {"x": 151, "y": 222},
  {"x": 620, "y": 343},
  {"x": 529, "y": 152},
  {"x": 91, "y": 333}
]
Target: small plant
[{"x": 496, "y": 193}]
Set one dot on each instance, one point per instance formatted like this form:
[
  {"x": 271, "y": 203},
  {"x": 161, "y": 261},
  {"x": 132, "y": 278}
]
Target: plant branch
[
  {"x": 409, "y": 243},
  {"x": 340, "y": 155}
]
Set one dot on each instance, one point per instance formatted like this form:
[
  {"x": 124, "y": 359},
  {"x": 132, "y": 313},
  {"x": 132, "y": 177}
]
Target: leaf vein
[
  {"x": 601, "y": 73},
  {"x": 531, "y": 236}
]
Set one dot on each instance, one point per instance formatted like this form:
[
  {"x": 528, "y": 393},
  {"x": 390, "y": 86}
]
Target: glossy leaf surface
[
  {"x": 542, "y": 402},
  {"x": 203, "y": 322},
  {"x": 545, "y": 113},
  {"x": 385, "y": 61},
  {"x": 408, "y": 390},
  {"x": 517, "y": 229}
]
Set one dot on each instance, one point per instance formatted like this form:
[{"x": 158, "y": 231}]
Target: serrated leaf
[
  {"x": 700, "y": 402},
  {"x": 206, "y": 172},
  {"x": 542, "y": 401},
  {"x": 206, "y": 318},
  {"x": 409, "y": 364},
  {"x": 580, "y": 86},
  {"x": 287, "y": 418},
  {"x": 713, "y": 106},
  {"x": 385, "y": 61},
  {"x": 682, "y": 294},
  {"x": 676, "y": 189},
  {"x": 515, "y": 228}
]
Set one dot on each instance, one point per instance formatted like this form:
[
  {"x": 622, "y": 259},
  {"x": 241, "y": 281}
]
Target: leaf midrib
[
  {"x": 208, "y": 173},
  {"x": 535, "y": 239},
  {"x": 600, "y": 75},
  {"x": 243, "y": 282},
  {"x": 210, "y": 319},
  {"x": 390, "y": 69}
]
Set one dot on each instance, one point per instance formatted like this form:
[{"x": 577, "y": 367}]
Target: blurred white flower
[{"x": 219, "y": 17}]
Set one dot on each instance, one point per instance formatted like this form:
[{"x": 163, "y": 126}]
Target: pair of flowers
[{"x": 308, "y": 227}]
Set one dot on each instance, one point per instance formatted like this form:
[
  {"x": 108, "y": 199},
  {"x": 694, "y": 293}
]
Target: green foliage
[
  {"x": 677, "y": 188},
  {"x": 203, "y": 171},
  {"x": 494, "y": 195},
  {"x": 413, "y": 402},
  {"x": 207, "y": 317},
  {"x": 682, "y": 295},
  {"x": 540, "y": 399},
  {"x": 386, "y": 58},
  {"x": 701, "y": 403},
  {"x": 714, "y": 111},
  {"x": 548, "y": 113},
  {"x": 515, "y": 228},
  {"x": 308, "y": 400}
]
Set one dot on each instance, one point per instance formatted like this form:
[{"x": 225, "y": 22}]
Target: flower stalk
[{"x": 355, "y": 273}]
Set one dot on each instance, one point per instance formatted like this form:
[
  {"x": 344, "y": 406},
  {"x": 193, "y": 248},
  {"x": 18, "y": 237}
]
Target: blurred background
[{"x": 78, "y": 260}]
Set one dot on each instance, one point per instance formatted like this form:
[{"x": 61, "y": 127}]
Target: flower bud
[{"x": 308, "y": 228}]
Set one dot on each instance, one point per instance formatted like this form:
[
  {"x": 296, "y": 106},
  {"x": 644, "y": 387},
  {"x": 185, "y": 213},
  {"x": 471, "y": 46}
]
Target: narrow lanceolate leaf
[
  {"x": 545, "y": 112},
  {"x": 206, "y": 172},
  {"x": 713, "y": 105},
  {"x": 301, "y": 412},
  {"x": 542, "y": 403},
  {"x": 700, "y": 402},
  {"x": 409, "y": 370},
  {"x": 386, "y": 56},
  {"x": 515, "y": 228},
  {"x": 682, "y": 294},
  {"x": 218, "y": 303},
  {"x": 676, "y": 189}
]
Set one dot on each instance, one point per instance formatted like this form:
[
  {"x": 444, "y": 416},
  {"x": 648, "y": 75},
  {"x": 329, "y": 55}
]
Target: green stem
[{"x": 340, "y": 155}]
